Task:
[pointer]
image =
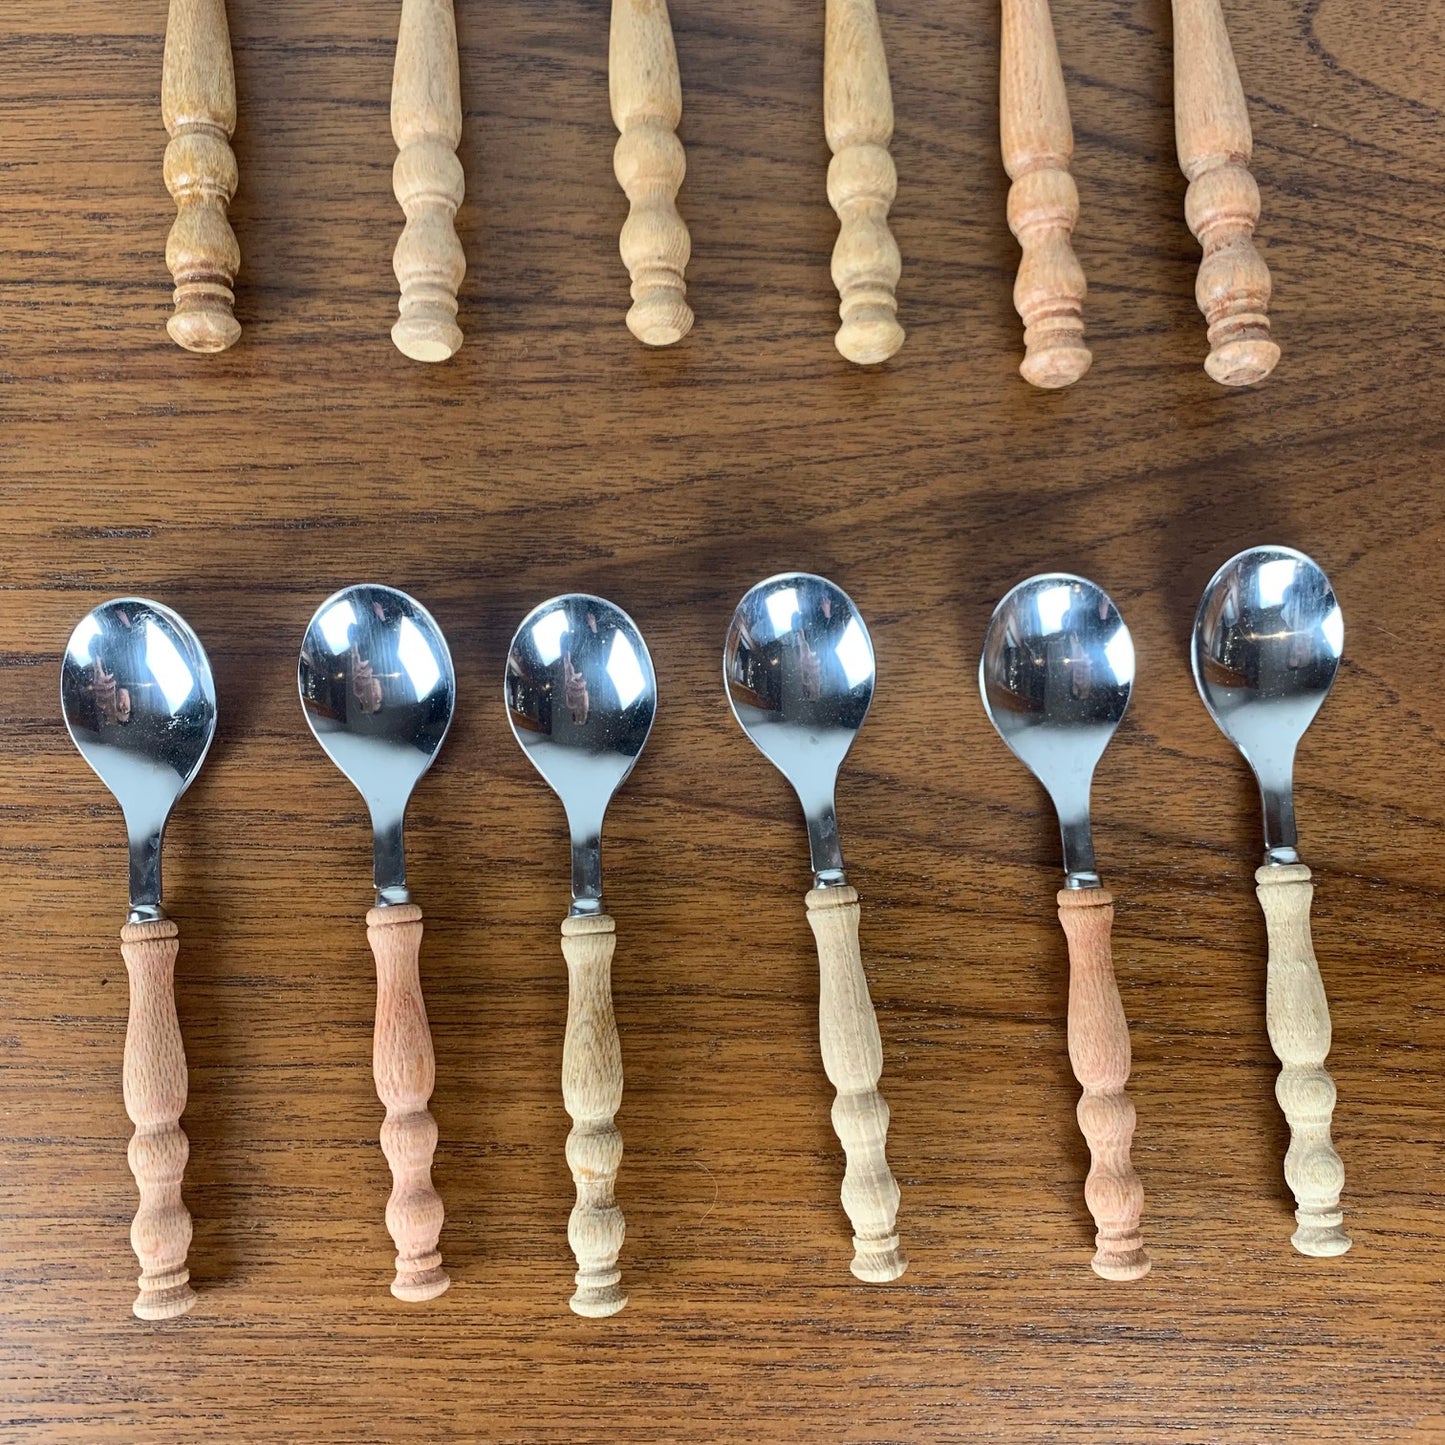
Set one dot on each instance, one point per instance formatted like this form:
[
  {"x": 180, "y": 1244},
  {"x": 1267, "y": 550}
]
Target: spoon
[
  {"x": 378, "y": 690},
  {"x": 798, "y": 668},
  {"x": 581, "y": 695},
  {"x": 139, "y": 702},
  {"x": 1267, "y": 641},
  {"x": 1056, "y": 673}
]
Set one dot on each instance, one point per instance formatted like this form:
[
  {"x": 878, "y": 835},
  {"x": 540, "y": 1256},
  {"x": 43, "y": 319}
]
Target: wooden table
[{"x": 556, "y": 453}]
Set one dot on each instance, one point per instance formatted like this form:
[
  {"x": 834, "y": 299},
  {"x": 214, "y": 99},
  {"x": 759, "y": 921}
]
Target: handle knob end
[{"x": 167, "y": 1297}]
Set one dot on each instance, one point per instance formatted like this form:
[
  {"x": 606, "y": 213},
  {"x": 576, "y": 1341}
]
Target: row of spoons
[{"x": 378, "y": 689}]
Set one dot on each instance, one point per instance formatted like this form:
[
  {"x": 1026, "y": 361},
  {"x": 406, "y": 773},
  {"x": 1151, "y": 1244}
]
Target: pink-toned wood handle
[
  {"x": 1221, "y": 206},
  {"x": 1099, "y": 1052},
  {"x": 853, "y": 1060},
  {"x": 1037, "y": 139},
  {"x": 405, "y": 1070},
  {"x": 592, "y": 1091},
  {"x": 155, "y": 1097}
]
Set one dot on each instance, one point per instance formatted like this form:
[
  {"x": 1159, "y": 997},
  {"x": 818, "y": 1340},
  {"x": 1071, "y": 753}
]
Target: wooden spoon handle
[
  {"x": 592, "y": 1091},
  {"x": 862, "y": 180},
  {"x": 427, "y": 179},
  {"x": 1298, "y": 1018},
  {"x": 155, "y": 1097},
  {"x": 198, "y": 105},
  {"x": 1211, "y": 128},
  {"x": 405, "y": 1070},
  {"x": 1043, "y": 203},
  {"x": 649, "y": 163},
  {"x": 1099, "y": 1052},
  {"x": 853, "y": 1060}
]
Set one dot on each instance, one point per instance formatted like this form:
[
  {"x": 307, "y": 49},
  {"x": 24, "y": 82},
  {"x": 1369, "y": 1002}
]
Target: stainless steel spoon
[
  {"x": 1267, "y": 642},
  {"x": 798, "y": 669},
  {"x": 1056, "y": 674},
  {"x": 581, "y": 695},
  {"x": 378, "y": 690},
  {"x": 138, "y": 699}
]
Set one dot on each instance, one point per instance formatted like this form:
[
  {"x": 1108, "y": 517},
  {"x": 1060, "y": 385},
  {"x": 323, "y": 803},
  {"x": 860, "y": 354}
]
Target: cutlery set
[
  {"x": 378, "y": 689},
  {"x": 1222, "y": 204}
]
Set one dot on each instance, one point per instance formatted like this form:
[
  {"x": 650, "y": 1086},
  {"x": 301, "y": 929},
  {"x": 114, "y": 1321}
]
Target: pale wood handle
[
  {"x": 405, "y": 1070},
  {"x": 862, "y": 181},
  {"x": 649, "y": 164},
  {"x": 1099, "y": 1052},
  {"x": 155, "y": 1081},
  {"x": 853, "y": 1060},
  {"x": 1211, "y": 127},
  {"x": 426, "y": 124},
  {"x": 1043, "y": 203},
  {"x": 198, "y": 105},
  {"x": 1298, "y": 1018},
  {"x": 592, "y": 1091}
]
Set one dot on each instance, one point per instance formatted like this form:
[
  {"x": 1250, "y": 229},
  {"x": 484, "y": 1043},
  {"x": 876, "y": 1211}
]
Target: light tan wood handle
[
  {"x": 1211, "y": 129},
  {"x": 1043, "y": 203},
  {"x": 426, "y": 124},
  {"x": 1298, "y": 1018},
  {"x": 592, "y": 1091},
  {"x": 1099, "y": 1052},
  {"x": 405, "y": 1070},
  {"x": 862, "y": 181},
  {"x": 649, "y": 163},
  {"x": 853, "y": 1061},
  {"x": 155, "y": 1082},
  {"x": 198, "y": 105}
]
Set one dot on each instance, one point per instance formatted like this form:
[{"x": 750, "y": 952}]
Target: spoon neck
[
  {"x": 388, "y": 860},
  {"x": 586, "y": 872},
  {"x": 823, "y": 845},
  {"x": 145, "y": 877}
]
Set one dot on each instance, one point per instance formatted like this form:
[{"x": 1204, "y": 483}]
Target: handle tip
[
  {"x": 1321, "y": 1241},
  {"x": 419, "y": 1285},
  {"x": 660, "y": 317},
  {"x": 166, "y": 1303},
  {"x": 1057, "y": 361},
  {"x": 595, "y": 1300},
  {"x": 879, "y": 1266},
  {"x": 872, "y": 334},
  {"x": 1243, "y": 361},
  {"x": 427, "y": 337},
  {"x": 204, "y": 323},
  {"x": 1117, "y": 1264}
]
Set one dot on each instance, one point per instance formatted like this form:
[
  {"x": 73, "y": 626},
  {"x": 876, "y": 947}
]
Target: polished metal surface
[
  {"x": 1056, "y": 673},
  {"x": 799, "y": 671},
  {"x": 581, "y": 696},
  {"x": 138, "y": 699},
  {"x": 1267, "y": 642},
  {"x": 378, "y": 690}
]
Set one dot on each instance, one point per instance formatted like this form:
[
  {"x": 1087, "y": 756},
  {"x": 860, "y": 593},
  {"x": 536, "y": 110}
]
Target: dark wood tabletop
[{"x": 555, "y": 453}]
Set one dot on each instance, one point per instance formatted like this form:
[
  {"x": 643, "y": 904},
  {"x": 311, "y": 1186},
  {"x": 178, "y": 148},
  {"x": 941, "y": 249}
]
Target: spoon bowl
[
  {"x": 378, "y": 690},
  {"x": 140, "y": 704},
  {"x": 1056, "y": 674},
  {"x": 799, "y": 671},
  {"x": 581, "y": 696},
  {"x": 1267, "y": 643}
]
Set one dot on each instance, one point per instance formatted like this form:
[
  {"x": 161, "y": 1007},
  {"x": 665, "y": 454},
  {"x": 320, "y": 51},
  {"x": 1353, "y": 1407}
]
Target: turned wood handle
[
  {"x": 426, "y": 124},
  {"x": 198, "y": 105},
  {"x": 405, "y": 1071},
  {"x": 853, "y": 1060},
  {"x": 1211, "y": 127},
  {"x": 862, "y": 181},
  {"x": 1043, "y": 203},
  {"x": 1099, "y": 1052},
  {"x": 1298, "y": 1018},
  {"x": 155, "y": 1097},
  {"x": 649, "y": 164},
  {"x": 592, "y": 1091}
]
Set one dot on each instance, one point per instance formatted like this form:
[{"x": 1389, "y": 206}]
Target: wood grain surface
[{"x": 554, "y": 452}]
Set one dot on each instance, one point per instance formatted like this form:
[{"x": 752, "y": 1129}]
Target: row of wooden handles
[
  {"x": 1221, "y": 206},
  {"x": 405, "y": 1072}
]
